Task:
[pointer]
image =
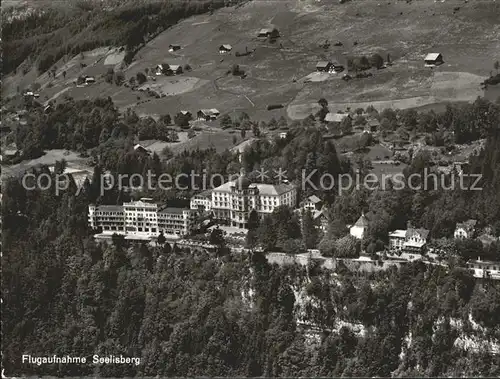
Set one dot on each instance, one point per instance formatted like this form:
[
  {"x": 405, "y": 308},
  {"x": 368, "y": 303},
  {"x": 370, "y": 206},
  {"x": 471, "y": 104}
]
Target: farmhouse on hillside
[
  {"x": 223, "y": 49},
  {"x": 312, "y": 203},
  {"x": 329, "y": 66},
  {"x": 372, "y": 125},
  {"x": 465, "y": 230},
  {"x": 9, "y": 153},
  {"x": 174, "y": 69},
  {"x": 324, "y": 66},
  {"x": 336, "y": 118},
  {"x": 433, "y": 59},
  {"x": 208, "y": 114},
  {"x": 174, "y": 47},
  {"x": 168, "y": 69},
  {"x": 89, "y": 80},
  {"x": 141, "y": 149},
  {"x": 266, "y": 32},
  {"x": 159, "y": 69}
]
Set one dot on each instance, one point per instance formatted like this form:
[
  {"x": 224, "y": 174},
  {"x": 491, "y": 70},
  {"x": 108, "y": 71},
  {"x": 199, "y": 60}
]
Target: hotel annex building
[{"x": 143, "y": 219}]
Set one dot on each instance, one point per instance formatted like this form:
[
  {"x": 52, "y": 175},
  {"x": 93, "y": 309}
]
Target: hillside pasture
[{"x": 282, "y": 72}]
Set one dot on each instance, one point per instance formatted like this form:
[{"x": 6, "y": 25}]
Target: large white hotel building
[
  {"x": 143, "y": 219},
  {"x": 233, "y": 201}
]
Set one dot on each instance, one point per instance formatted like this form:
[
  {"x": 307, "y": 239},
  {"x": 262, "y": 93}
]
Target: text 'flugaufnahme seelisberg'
[{"x": 94, "y": 360}]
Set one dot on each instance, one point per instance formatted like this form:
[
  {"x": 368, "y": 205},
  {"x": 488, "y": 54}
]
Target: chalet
[
  {"x": 186, "y": 113},
  {"x": 160, "y": 68},
  {"x": 415, "y": 240},
  {"x": 396, "y": 239},
  {"x": 324, "y": 66},
  {"x": 312, "y": 203},
  {"x": 336, "y": 117},
  {"x": 433, "y": 59},
  {"x": 168, "y": 69},
  {"x": 174, "y": 47},
  {"x": 208, "y": 114},
  {"x": 223, "y": 49},
  {"x": 358, "y": 230},
  {"x": 283, "y": 135},
  {"x": 320, "y": 219},
  {"x": 372, "y": 125},
  {"x": 89, "y": 80},
  {"x": 9, "y": 153},
  {"x": 174, "y": 69},
  {"x": 141, "y": 149},
  {"x": 410, "y": 240},
  {"x": 268, "y": 32},
  {"x": 465, "y": 230}
]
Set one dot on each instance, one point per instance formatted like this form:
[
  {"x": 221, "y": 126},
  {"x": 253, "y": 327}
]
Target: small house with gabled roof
[
  {"x": 465, "y": 230},
  {"x": 358, "y": 230},
  {"x": 225, "y": 48},
  {"x": 433, "y": 59}
]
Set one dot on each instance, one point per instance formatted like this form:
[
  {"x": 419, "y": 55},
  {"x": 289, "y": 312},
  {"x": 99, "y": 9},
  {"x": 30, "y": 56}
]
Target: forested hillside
[
  {"x": 189, "y": 312},
  {"x": 192, "y": 313},
  {"x": 42, "y": 36}
]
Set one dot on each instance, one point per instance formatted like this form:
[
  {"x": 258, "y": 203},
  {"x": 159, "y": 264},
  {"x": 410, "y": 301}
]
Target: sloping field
[
  {"x": 279, "y": 73},
  {"x": 443, "y": 87},
  {"x": 49, "y": 158}
]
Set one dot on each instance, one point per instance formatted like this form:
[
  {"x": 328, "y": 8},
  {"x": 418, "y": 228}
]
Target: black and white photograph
[{"x": 250, "y": 188}]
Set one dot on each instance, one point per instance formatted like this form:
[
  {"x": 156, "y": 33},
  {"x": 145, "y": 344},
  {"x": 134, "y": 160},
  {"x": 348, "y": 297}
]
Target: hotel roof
[
  {"x": 398, "y": 233},
  {"x": 273, "y": 189},
  {"x": 173, "y": 210},
  {"x": 109, "y": 208},
  {"x": 264, "y": 189}
]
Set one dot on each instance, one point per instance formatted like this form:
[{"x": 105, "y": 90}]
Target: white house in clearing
[
  {"x": 358, "y": 230},
  {"x": 465, "y": 230}
]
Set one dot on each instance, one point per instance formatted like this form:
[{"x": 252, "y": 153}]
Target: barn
[
  {"x": 223, "y": 49},
  {"x": 433, "y": 59},
  {"x": 268, "y": 32},
  {"x": 208, "y": 114},
  {"x": 324, "y": 66}
]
